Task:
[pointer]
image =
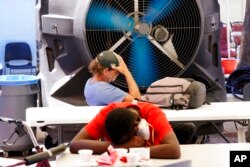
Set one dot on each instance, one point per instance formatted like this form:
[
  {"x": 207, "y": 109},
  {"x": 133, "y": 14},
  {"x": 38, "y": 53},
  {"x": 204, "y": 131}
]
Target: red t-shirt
[{"x": 151, "y": 113}]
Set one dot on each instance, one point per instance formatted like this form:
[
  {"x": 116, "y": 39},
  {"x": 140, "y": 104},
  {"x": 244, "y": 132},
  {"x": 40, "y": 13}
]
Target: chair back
[
  {"x": 237, "y": 26},
  {"x": 223, "y": 37},
  {"x": 17, "y": 51},
  {"x": 223, "y": 43}
]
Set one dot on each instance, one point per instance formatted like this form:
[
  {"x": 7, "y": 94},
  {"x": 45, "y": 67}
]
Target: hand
[{"x": 122, "y": 68}]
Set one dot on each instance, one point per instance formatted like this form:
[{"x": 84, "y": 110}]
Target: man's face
[{"x": 111, "y": 75}]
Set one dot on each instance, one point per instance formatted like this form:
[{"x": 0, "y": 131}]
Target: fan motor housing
[{"x": 73, "y": 33}]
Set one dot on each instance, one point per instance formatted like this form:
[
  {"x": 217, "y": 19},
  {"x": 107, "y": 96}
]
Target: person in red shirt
[{"x": 117, "y": 125}]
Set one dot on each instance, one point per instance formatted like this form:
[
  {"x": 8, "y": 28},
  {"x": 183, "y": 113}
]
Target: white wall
[
  {"x": 232, "y": 10},
  {"x": 17, "y": 23}
]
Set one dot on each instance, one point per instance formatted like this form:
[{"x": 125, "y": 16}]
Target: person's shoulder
[{"x": 97, "y": 84}]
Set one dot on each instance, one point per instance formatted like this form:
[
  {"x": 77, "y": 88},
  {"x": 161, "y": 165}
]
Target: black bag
[
  {"x": 176, "y": 93},
  {"x": 237, "y": 80}
]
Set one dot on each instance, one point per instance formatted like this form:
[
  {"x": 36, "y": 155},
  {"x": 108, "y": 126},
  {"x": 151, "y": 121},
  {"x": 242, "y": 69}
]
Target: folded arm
[
  {"x": 83, "y": 141},
  {"x": 169, "y": 148}
]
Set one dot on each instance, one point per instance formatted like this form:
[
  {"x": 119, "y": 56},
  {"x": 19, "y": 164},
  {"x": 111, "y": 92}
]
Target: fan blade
[
  {"x": 157, "y": 10},
  {"x": 120, "y": 41},
  {"x": 107, "y": 18},
  {"x": 142, "y": 63},
  {"x": 136, "y": 10},
  {"x": 168, "y": 50},
  {"x": 170, "y": 47}
]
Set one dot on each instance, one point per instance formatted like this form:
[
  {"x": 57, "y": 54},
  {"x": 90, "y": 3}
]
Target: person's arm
[
  {"x": 169, "y": 148},
  {"x": 83, "y": 141},
  {"x": 136, "y": 141},
  {"x": 132, "y": 86}
]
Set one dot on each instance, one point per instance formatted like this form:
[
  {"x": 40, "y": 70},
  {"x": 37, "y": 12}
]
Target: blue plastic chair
[{"x": 18, "y": 57}]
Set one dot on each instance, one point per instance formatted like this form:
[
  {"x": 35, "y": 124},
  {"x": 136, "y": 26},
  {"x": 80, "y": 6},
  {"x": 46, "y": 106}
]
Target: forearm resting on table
[
  {"x": 97, "y": 146},
  {"x": 159, "y": 151},
  {"x": 165, "y": 151}
]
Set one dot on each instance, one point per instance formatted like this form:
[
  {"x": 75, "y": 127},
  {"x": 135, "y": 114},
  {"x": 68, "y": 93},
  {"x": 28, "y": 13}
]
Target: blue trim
[{"x": 18, "y": 80}]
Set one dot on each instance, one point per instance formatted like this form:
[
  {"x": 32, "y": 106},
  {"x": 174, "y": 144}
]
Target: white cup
[
  {"x": 85, "y": 155},
  {"x": 144, "y": 152},
  {"x": 121, "y": 152},
  {"x": 132, "y": 158}
]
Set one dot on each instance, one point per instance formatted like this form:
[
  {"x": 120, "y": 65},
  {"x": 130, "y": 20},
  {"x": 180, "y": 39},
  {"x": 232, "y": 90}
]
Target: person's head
[
  {"x": 101, "y": 66},
  {"x": 121, "y": 125}
]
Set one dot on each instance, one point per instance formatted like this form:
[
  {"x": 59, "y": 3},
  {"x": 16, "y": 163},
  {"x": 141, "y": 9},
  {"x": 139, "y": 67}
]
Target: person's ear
[{"x": 105, "y": 70}]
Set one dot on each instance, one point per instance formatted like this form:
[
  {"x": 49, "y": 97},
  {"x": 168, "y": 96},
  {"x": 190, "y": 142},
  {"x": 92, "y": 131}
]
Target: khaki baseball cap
[{"x": 107, "y": 58}]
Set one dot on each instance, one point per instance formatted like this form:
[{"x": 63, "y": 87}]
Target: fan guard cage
[{"x": 128, "y": 28}]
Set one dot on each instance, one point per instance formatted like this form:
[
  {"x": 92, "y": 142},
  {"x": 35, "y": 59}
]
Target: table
[
  {"x": 219, "y": 111},
  {"x": 12, "y": 161},
  {"x": 205, "y": 155}
]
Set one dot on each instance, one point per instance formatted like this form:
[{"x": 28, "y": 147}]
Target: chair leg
[
  {"x": 248, "y": 134},
  {"x": 5, "y": 71},
  {"x": 236, "y": 53},
  {"x": 199, "y": 139},
  {"x": 202, "y": 139},
  {"x": 221, "y": 134}
]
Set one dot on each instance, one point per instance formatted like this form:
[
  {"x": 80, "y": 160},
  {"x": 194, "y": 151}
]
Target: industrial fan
[{"x": 156, "y": 38}]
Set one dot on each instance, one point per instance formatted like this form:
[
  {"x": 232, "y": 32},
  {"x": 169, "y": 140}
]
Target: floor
[
  {"x": 230, "y": 133},
  {"x": 230, "y": 129}
]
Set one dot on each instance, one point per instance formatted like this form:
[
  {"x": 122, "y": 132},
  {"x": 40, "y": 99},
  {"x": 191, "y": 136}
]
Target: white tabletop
[
  {"x": 12, "y": 161},
  {"x": 8, "y": 161},
  {"x": 205, "y": 155},
  {"x": 225, "y": 111}
]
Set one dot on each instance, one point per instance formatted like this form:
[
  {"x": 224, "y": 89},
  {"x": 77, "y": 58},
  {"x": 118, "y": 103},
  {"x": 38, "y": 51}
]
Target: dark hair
[{"x": 120, "y": 125}]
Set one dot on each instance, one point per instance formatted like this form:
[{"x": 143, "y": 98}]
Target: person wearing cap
[{"x": 105, "y": 68}]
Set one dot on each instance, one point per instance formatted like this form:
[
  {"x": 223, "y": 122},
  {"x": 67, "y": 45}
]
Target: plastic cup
[
  {"x": 132, "y": 158},
  {"x": 144, "y": 152},
  {"x": 121, "y": 152},
  {"x": 85, "y": 155}
]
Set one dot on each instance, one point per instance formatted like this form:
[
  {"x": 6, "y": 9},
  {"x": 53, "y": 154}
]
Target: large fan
[{"x": 156, "y": 38}]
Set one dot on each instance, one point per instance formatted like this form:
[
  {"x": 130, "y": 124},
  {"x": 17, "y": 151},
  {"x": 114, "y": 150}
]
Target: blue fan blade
[
  {"x": 158, "y": 9},
  {"x": 105, "y": 17},
  {"x": 143, "y": 62}
]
